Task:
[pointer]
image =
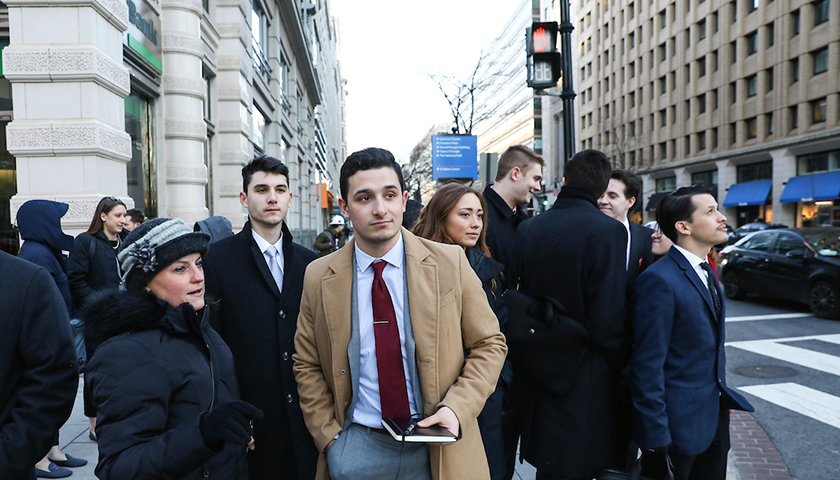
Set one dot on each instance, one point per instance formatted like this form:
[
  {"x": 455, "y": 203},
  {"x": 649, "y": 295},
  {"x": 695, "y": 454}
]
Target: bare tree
[
  {"x": 461, "y": 95},
  {"x": 622, "y": 141}
]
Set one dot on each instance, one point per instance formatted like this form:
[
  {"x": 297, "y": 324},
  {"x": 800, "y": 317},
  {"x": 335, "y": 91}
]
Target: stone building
[
  {"x": 738, "y": 94},
  {"x": 161, "y": 102}
]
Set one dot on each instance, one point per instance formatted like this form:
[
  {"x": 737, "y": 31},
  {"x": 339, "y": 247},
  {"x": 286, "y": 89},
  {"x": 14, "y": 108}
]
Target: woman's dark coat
[
  {"x": 39, "y": 222},
  {"x": 88, "y": 274},
  {"x": 38, "y": 372},
  {"x": 490, "y": 419},
  {"x": 152, "y": 379}
]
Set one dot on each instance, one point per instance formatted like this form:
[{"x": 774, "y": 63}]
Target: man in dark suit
[
  {"x": 39, "y": 374},
  {"x": 256, "y": 278},
  {"x": 679, "y": 364},
  {"x": 518, "y": 176},
  {"x": 575, "y": 255},
  {"x": 620, "y": 197}
]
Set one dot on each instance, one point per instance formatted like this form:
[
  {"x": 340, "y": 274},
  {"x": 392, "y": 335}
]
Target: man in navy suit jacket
[{"x": 678, "y": 363}]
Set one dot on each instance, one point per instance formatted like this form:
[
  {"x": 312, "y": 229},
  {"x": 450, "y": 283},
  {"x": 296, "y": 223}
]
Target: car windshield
[{"x": 827, "y": 242}]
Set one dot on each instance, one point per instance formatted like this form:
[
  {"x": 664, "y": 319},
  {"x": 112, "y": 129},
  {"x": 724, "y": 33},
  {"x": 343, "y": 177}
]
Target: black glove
[
  {"x": 229, "y": 422},
  {"x": 656, "y": 463}
]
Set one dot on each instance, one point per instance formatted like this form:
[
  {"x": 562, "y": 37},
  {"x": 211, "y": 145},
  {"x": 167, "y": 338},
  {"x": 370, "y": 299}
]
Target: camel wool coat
[{"x": 450, "y": 317}]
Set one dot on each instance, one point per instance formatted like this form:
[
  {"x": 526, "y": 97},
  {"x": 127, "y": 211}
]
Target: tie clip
[{"x": 383, "y": 321}]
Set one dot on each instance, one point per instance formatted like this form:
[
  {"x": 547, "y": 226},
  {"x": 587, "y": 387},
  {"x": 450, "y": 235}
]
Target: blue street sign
[{"x": 454, "y": 156}]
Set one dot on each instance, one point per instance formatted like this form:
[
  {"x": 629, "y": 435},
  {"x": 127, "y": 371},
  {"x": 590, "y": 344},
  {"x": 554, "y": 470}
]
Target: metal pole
[{"x": 568, "y": 92}]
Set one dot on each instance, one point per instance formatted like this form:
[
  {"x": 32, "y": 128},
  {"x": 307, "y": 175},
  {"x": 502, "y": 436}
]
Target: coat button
[
  {"x": 289, "y": 398},
  {"x": 342, "y": 371},
  {"x": 285, "y": 355},
  {"x": 282, "y": 314},
  {"x": 346, "y": 403}
]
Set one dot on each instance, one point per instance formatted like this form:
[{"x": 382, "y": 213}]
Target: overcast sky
[{"x": 388, "y": 45}]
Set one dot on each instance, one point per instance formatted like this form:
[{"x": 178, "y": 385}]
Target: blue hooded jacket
[{"x": 39, "y": 222}]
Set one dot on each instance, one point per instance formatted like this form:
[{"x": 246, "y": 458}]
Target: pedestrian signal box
[{"x": 543, "y": 57}]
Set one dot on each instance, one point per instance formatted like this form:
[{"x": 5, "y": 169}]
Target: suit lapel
[
  {"x": 336, "y": 288},
  {"x": 262, "y": 266},
  {"x": 683, "y": 263},
  {"x": 423, "y": 294}
]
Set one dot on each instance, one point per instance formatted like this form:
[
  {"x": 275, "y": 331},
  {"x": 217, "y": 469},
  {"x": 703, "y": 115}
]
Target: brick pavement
[{"x": 754, "y": 454}]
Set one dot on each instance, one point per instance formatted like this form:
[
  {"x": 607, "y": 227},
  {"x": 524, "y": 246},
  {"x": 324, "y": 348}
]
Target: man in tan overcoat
[{"x": 448, "y": 340}]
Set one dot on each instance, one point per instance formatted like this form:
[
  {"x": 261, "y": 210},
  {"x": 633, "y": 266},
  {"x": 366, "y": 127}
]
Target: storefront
[{"x": 816, "y": 197}]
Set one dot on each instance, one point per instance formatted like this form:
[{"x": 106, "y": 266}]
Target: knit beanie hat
[{"x": 153, "y": 246}]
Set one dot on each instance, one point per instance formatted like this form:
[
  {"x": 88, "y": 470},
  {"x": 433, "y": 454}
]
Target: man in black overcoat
[
  {"x": 256, "y": 279},
  {"x": 576, "y": 255},
  {"x": 39, "y": 375},
  {"x": 518, "y": 176}
]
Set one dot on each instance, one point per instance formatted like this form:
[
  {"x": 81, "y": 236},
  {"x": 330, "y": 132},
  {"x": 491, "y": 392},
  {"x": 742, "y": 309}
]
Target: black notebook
[{"x": 406, "y": 430}]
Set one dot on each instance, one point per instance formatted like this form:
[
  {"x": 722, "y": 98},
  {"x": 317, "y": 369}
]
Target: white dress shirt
[
  {"x": 263, "y": 245},
  {"x": 368, "y": 411},
  {"x": 695, "y": 262},
  {"x": 627, "y": 254}
]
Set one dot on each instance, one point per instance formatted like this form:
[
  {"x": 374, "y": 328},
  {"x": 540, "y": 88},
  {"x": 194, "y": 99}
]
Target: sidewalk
[{"x": 753, "y": 455}]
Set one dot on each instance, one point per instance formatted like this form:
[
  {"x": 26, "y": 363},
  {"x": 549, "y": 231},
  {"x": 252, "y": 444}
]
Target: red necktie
[{"x": 393, "y": 395}]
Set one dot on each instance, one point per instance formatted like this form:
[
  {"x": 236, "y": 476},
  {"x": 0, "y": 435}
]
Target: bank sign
[
  {"x": 143, "y": 35},
  {"x": 454, "y": 156}
]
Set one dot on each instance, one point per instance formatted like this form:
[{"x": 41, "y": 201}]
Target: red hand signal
[{"x": 542, "y": 40}]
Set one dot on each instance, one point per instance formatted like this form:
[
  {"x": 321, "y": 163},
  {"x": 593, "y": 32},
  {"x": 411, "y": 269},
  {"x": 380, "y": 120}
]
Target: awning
[
  {"x": 750, "y": 193},
  {"x": 812, "y": 188},
  {"x": 653, "y": 201}
]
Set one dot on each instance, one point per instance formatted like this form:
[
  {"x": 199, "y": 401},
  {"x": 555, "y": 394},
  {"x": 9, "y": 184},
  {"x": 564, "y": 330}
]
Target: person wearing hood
[
  {"x": 44, "y": 243},
  {"x": 164, "y": 380},
  {"x": 456, "y": 215},
  {"x": 332, "y": 238},
  {"x": 93, "y": 267}
]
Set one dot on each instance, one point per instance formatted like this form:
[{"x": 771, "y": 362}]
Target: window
[
  {"x": 632, "y": 99},
  {"x": 771, "y": 34},
  {"x": 715, "y": 22},
  {"x": 752, "y": 127},
  {"x": 818, "y": 110},
  {"x": 820, "y": 60},
  {"x": 663, "y": 118},
  {"x": 709, "y": 177},
  {"x": 822, "y": 162},
  {"x": 663, "y": 87},
  {"x": 760, "y": 242},
  {"x": 632, "y": 39},
  {"x": 715, "y": 138},
  {"x": 663, "y": 20},
  {"x": 632, "y": 10},
  {"x": 733, "y": 49},
  {"x": 752, "y": 85},
  {"x": 665, "y": 184},
  {"x": 259, "y": 41},
  {"x": 795, "y": 20},
  {"x": 752, "y": 43},
  {"x": 787, "y": 243},
  {"x": 715, "y": 96},
  {"x": 793, "y": 113},
  {"x": 768, "y": 75},
  {"x": 701, "y": 141},
  {"x": 733, "y": 93},
  {"x": 769, "y": 119},
  {"x": 663, "y": 53},
  {"x": 632, "y": 129},
  {"x": 754, "y": 171},
  {"x": 733, "y": 6},
  {"x": 794, "y": 69},
  {"x": 633, "y": 70},
  {"x": 753, "y": 5},
  {"x": 258, "y": 130},
  {"x": 701, "y": 103},
  {"x": 820, "y": 12},
  {"x": 715, "y": 60},
  {"x": 687, "y": 109},
  {"x": 701, "y": 67},
  {"x": 701, "y": 30}
]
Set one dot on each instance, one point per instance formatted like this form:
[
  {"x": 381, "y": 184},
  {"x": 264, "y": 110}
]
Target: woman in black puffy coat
[
  {"x": 455, "y": 215},
  {"x": 164, "y": 380},
  {"x": 93, "y": 267}
]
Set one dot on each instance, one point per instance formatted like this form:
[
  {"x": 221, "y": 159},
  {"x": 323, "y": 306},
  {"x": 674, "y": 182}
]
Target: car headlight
[{"x": 724, "y": 262}]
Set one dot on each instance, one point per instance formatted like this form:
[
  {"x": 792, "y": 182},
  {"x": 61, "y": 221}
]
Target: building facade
[
  {"x": 161, "y": 102},
  {"x": 738, "y": 94}
]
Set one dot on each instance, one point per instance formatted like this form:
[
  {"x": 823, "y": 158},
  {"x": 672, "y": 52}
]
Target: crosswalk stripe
[
  {"x": 798, "y": 356},
  {"x": 801, "y": 399},
  {"x": 775, "y": 316}
]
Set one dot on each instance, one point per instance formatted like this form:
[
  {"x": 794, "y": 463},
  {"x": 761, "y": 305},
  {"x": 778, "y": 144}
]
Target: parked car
[
  {"x": 801, "y": 264},
  {"x": 743, "y": 230}
]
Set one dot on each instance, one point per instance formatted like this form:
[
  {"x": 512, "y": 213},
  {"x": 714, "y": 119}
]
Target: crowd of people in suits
[{"x": 210, "y": 354}]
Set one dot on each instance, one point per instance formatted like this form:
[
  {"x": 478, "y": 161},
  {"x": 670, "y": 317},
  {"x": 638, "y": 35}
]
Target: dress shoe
[
  {"x": 92, "y": 436},
  {"x": 54, "y": 472},
  {"x": 70, "y": 462}
]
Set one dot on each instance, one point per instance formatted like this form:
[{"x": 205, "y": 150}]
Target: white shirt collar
[
  {"x": 395, "y": 256},
  {"x": 263, "y": 244},
  {"x": 693, "y": 259}
]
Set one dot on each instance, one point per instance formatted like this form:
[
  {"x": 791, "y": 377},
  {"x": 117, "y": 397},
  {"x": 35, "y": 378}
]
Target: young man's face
[
  {"x": 614, "y": 203},
  {"x": 267, "y": 199},
  {"x": 707, "y": 225},
  {"x": 375, "y": 204},
  {"x": 529, "y": 182}
]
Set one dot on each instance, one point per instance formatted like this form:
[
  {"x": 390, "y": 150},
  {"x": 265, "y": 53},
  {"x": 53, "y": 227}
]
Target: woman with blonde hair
[{"x": 456, "y": 215}]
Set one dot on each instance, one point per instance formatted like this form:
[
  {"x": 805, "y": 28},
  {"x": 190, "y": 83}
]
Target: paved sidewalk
[{"x": 753, "y": 455}]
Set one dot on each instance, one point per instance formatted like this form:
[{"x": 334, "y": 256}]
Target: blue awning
[
  {"x": 750, "y": 193},
  {"x": 812, "y": 188}
]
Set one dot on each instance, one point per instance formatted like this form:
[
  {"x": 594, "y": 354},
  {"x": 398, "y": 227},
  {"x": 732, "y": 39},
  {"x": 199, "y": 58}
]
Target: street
[
  {"x": 787, "y": 363},
  {"x": 783, "y": 359}
]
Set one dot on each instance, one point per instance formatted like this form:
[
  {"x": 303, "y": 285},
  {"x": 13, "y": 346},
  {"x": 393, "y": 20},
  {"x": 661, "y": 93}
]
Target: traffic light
[{"x": 543, "y": 57}]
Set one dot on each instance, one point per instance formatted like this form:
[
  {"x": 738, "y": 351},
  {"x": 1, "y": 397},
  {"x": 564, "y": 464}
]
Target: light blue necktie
[{"x": 274, "y": 266}]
